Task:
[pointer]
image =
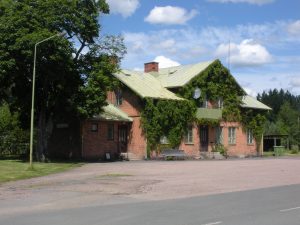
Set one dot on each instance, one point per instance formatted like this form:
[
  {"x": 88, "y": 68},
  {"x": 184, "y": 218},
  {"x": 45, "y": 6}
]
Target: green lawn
[
  {"x": 15, "y": 170},
  {"x": 285, "y": 153}
]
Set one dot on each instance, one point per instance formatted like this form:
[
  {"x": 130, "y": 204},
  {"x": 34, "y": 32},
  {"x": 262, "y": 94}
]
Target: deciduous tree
[{"x": 73, "y": 73}]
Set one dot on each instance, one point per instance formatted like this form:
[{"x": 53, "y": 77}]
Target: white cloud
[
  {"x": 294, "y": 27},
  {"x": 124, "y": 7},
  {"x": 170, "y": 15},
  {"x": 250, "y": 92},
  {"x": 295, "y": 82},
  {"x": 169, "y": 43},
  {"x": 247, "y": 53},
  {"x": 256, "y": 2},
  {"x": 188, "y": 45},
  {"x": 165, "y": 62}
]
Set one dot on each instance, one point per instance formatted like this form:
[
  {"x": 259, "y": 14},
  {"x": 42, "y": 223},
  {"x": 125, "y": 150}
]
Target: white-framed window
[
  {"x": 205, "y": 102},
  {"x": 219, "y": 135},
  {"x": 220, "y": 103},
  {"x": 94, "y": 127},
  {"x": 188, "y": 137},
  {"x": 164, "y": 140},
  {"x": 249, "y": 136},
  {"x": 232, "y": 135}
]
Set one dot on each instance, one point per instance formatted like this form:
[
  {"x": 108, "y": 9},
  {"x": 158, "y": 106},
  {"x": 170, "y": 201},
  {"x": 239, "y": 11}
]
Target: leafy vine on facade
[
  {"x": 170, "y": 118},
  {"x": 255, "y": 121},
  {"x": 215, "y": 83}
]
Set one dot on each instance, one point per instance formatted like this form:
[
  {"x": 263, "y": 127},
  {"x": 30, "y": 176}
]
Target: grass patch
[
  {"x": 292, "y": 153},
  {"x": 284, "y": 153},
  {"x": 268, "y": 154},
  {"x": 11, "y": 170}
]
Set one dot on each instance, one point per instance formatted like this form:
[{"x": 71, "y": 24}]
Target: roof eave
[{"x": 249, "y": 107}]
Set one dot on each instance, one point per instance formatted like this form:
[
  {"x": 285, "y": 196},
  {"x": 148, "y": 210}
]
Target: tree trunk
[{"x": 45, "y": 128}]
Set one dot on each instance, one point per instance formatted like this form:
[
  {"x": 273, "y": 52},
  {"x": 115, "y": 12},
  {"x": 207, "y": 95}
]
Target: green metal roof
[
  {"x": 250, "y": 102},
  {"x": 145, "y": 85},
  {"x": 179, "y": 76},
  {"x": 112, "y": 113},
  {"x": 205, "y": 113}
]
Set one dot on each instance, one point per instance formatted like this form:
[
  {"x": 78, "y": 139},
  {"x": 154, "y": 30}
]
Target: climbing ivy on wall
[
  {"x": 168, "y": 118},
  {"x": 216, "y": 82},
  {"x": 254, "y": 120}
]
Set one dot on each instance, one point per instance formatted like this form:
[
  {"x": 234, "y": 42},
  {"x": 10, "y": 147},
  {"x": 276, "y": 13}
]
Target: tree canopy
[
  {"x": 72, "y": 72},
  {"x": 285, "y": 116}
]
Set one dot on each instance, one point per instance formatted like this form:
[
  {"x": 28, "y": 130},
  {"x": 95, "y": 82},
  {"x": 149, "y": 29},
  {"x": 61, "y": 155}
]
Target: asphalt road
[{"x": 270, "y": 206}]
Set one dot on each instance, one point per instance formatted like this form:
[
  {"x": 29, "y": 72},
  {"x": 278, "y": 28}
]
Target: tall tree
[
  {"x": 67, "y": 80},
  {"x": 285, "y": 116}
]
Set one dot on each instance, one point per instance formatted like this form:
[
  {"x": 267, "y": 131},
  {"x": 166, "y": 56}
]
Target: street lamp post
[{"x": 32, "y": 95}]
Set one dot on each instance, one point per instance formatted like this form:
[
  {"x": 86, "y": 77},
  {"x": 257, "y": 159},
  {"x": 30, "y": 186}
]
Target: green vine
[
  {"x": 209, "y": 122},
  {"x": 168, "y": 118},
  {"x": 254, "y": 120},
  {"x": 216, "y": 82}
]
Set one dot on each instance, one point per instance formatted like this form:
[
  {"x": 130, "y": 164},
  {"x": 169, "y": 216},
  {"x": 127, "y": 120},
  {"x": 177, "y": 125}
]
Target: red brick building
[{"x": 118, "y": 130}]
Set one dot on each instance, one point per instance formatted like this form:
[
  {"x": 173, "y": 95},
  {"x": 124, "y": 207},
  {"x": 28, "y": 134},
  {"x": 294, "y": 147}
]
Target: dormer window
[
  {"x": 205, "y": 102},
  {"x": 220, "y": 103}
]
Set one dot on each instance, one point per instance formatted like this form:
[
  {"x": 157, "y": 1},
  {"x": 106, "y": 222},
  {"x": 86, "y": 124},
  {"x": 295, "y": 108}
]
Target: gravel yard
[{"x": 109, "y": 183}]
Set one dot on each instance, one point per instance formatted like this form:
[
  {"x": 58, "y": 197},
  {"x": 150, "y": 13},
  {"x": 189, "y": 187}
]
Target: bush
[
  {"x": 294, "y": 149},
  {"x": 13, "y": 139},
  {"x": 220, "y": 148}
]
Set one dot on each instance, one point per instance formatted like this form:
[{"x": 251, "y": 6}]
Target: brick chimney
[{"x": 151, "y": 67}]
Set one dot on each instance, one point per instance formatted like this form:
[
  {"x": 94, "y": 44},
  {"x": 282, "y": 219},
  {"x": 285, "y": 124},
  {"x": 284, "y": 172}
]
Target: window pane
[
  {"x": 249, "y": 136},
  {"x": 94, "y": 127},
  {"x": 231, "y": 135},
  {"x": 188, "y": 137},
  {"x": 220, "y": 103},
  {"x": 219, "y": 135},
  {"x": 110, "y": 132},
  {"x": 164, "y": 140},
  {"x": 119, "y": 97}
]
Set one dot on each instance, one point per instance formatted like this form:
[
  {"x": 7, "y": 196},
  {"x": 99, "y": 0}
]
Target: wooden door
[
  {"x": 122, "y": 138},
  {"x": 203, "y": 138}
]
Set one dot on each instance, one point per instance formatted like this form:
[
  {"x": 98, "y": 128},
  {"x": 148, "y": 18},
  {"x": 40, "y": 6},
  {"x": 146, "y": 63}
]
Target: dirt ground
[{"x": 109, "y": 183}]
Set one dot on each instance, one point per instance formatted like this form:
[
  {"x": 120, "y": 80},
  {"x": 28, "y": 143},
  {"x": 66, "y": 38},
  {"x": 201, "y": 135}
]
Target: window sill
[
  {"x": 188, "y": 143},
  {"x": 250, "y": 144},
  {"x": 232, "y": 144}
]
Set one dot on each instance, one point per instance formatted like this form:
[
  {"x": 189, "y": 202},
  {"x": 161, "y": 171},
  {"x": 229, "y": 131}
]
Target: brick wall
[
  {"x": 137, "y": 141},
  {"x": 96, "y": 144},
  {"x": 241, "y": 148},
  {"x": 192, "y": 149},
  {"x": 132, "y": 106},
  {"x": 131, "y": 103}
]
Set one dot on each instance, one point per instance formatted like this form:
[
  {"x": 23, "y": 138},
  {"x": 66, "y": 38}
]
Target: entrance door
[
  {"x": 203, "y": 138},
  {"x": 122, "y": 138}
]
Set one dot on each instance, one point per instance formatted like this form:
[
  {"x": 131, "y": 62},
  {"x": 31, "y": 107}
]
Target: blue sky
[{"x": 263, "y": 35}]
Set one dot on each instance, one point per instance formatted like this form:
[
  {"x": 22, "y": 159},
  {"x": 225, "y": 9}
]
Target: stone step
[
  {"x": 130, "y": 156},
  {"x": 211, "y": 155}
]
